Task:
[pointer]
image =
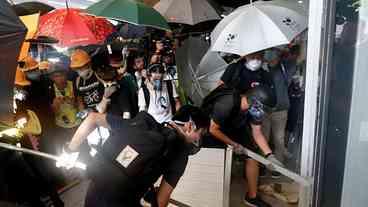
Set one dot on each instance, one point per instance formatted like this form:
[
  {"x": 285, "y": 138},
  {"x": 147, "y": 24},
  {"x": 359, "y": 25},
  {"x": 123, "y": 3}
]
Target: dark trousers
[{"x": 103, "y": 196}]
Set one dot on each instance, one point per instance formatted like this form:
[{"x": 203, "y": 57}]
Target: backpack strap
[
  {"x": 146, "y": 94},
  {"x": 170, "y": 89}
]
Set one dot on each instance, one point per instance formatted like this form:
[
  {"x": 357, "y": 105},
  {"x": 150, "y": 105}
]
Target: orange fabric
[
  {"x": 20, "y": 78},
  {"x": 79, "y": 58},
  {"x": 29, "y": 64},
  {"x": 31, "y": 22}
]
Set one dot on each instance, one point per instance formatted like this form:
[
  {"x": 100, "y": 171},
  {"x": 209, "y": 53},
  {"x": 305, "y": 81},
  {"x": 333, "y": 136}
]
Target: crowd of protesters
[{"x": 120, "y": 80}]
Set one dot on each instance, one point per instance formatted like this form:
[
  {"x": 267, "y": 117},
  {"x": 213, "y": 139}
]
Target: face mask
[
  {"x": 271, "y": 55},
  {"x": 85, "y": 73},
  {"x": 33, "y": 75},
  {"x": 254, "y": 64},
  {"x": 157, "y": 85}
]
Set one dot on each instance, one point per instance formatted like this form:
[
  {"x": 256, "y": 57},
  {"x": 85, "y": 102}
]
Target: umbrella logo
[
  {"x": 230, "y": 38},
  {"x": 287, "y": 21},
  {"x": 292, "y": 24}
]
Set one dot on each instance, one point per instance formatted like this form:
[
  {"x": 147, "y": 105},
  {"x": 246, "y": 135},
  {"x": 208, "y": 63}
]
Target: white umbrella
[
  {"x": 258, "y": 26},
  {"x": 187, "y": 11},
  {"x": 188, "y": 57},
  {"x": 200, "y": 69},
  {"x": 209, "y": 72}
]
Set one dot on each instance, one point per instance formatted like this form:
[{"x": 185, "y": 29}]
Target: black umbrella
[
  {"x": 12, "y": 34},
  {"x": 31, "y": 7}
]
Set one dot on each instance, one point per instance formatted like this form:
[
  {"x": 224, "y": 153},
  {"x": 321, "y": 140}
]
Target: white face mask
[{"x": 253, "y": 64}]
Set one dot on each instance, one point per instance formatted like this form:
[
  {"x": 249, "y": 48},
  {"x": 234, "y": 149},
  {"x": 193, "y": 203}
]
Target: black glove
[{"x": 149, "y": 199}]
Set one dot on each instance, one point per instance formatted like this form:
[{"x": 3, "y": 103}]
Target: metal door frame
[{"x": 316, "y": 83}]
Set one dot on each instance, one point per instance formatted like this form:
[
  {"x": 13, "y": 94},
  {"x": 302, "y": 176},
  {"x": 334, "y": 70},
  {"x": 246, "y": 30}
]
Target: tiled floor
[{"x": 75, "y": 196}]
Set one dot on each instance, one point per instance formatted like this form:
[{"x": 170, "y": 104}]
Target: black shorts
[{"x": 102, "y": 196}]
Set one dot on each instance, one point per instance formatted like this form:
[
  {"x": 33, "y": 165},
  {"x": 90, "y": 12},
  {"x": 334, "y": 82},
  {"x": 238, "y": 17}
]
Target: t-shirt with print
[
  {"x": 159, "y": 106},
  {"x": 239, "y": 77},
  {"x": 90, "y": 90}
]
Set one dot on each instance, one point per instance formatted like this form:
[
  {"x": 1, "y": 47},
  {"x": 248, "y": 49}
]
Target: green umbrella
[{"x": 134, "y": 12}]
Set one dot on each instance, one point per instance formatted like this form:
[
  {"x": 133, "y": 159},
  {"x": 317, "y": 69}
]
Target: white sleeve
[{"x": 141, "y": 101}]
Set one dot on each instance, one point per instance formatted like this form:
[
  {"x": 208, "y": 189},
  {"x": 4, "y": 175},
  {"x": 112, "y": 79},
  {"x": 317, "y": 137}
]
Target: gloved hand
[
  {"x": 149, "y": 199},
  {"x": 272, "y": 158},
  {"x": 67, "y": 160},
  {"x": 238, "y": 149},
  {"x": 109, "y": 91}
]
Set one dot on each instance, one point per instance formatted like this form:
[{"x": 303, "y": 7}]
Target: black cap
[{"x": 188, "y": 112}]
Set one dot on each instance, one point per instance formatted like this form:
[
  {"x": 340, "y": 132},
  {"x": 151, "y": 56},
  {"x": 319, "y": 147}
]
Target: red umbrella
[{"x": 73, "y": 28}]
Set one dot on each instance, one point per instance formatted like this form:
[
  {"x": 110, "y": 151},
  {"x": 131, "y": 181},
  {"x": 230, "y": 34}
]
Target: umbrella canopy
[
  {"x": 259, "y": 26},
  {"x": 27, "y": 8},
  {"x": 132, "y": 31},
  {"x": 188, "y": 57},
  {"x": 187, "y": 11},
  {"x": 31, "y": 22},
  {"x": 12, "y": 34},
  {"x": 72, "y": 28},
  {"x": 209, "y": 72},
  {"x": 151, "y": 2},
  {"x": 130, "y": 11}
]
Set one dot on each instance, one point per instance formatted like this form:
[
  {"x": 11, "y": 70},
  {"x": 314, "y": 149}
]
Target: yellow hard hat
[
  {"x": 28, "y": 64},
  {"x": 79, "y": 58}
]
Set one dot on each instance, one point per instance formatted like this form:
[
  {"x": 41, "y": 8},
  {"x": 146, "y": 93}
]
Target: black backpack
[
  {"x": 144, "y": 135},
  {"x": 210, "y": 100},
  {"x": 170, "y": 90}
]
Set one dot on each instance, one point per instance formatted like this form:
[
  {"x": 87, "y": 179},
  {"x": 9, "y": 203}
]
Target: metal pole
[
  {"x": 304, "y": 181},
  {"x": 37, "y": 153},
  {"x": 227, "y": 175}
]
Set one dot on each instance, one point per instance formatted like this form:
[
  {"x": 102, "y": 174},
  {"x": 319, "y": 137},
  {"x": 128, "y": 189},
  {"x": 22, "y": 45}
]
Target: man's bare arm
[
  {"x": 164, "y": 193},
  {"x": 260, "y": 139},
  {"x": 216, "y": 132},
  {"x": 92, "y": 121}
]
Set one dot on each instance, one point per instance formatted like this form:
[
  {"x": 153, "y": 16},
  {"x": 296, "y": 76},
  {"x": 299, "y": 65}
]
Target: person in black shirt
[
  {"x": 89, "y": 89},
  {"x": 231, "y": 115},
  {"x": 246, "y": 73},
  {"x": 120, "y": 95},
  {"x": 139, "y": 151}
]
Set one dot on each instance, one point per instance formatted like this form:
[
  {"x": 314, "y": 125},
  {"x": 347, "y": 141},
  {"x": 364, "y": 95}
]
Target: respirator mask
[{"x": 253, "y": 64}]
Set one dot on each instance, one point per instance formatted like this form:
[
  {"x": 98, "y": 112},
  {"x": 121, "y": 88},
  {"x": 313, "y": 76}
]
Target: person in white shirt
[
  {"x": 139, "y": 67},
  {"x": 158, "y": 97}
]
